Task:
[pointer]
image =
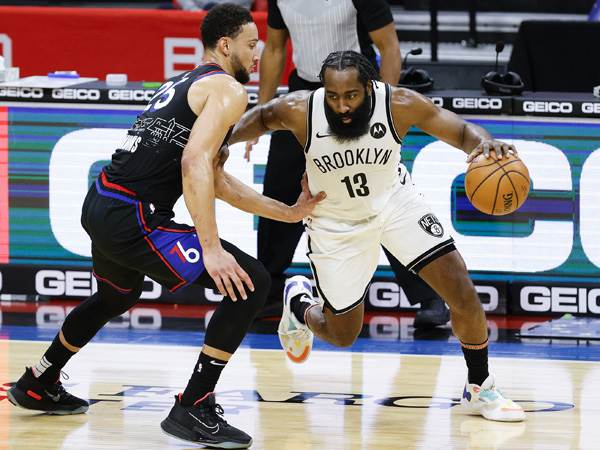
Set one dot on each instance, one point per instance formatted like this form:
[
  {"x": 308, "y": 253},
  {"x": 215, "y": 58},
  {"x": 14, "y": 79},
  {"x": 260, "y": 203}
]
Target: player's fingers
[
  {"x": 474, "y": 154},
  {"x": 506, "y": 151},
  {"x": 245, "y": 278},
  {"x": 239, "y": 285},
  {"x": 486, "y": 149},
  {"x": 498, "y": 150},
  {"x": 229, "y": 287},
  {"x": 317, "y": 198},
  {"x": 217, "y": 279},
  {"x": 304, "y": 182}
]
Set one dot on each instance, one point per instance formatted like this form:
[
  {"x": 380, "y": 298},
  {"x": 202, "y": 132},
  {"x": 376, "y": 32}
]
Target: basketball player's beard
[
  {"x": 239, "y": 73},
  {"x": 347, "y": 132}
]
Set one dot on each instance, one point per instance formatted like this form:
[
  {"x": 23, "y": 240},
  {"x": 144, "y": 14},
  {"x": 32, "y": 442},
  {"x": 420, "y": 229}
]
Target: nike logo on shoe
[
  {"x": 323, "y": 135},
  {"x": 214, "y": 427},
  {"x": 55, "y": 398}
]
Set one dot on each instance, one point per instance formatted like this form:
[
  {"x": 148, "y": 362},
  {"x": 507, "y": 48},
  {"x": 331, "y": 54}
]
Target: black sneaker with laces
[
  {"x": 31, "y": 393},
  {"x": 203, "y": 423}
]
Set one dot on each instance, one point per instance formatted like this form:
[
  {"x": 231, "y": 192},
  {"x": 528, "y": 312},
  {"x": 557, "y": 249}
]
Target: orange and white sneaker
[
  {"x": 489, "y": 402},
  {"x": 294, "y": 336}
]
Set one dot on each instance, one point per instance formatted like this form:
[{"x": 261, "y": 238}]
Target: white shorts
[{"x": 344, "y": 255}]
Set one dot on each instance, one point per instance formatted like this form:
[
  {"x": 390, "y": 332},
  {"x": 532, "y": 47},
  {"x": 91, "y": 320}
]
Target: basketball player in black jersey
[{"x": 174, "y": 147}]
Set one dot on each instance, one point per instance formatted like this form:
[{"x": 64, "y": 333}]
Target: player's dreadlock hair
[
  {"x": 224, "y": 20},
  {"x": 349, "y": 58}
]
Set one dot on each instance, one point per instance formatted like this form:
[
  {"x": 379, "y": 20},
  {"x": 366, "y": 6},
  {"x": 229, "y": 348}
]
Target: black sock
[
  {"x": 476, "y": 356},
  {"x": 203, "y": 380},
  {"x": 47, "y": 370},
  {"x": 299, "y": 304}
]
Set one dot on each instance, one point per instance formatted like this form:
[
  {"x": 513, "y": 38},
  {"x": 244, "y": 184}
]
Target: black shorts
[{"x": 130, "y": 240}]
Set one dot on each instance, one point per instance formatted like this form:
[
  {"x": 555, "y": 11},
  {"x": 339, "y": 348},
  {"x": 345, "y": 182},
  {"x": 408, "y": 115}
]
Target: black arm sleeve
[
  {"x": 274, "y": 18},
  {"x": 373, "y": 14}
]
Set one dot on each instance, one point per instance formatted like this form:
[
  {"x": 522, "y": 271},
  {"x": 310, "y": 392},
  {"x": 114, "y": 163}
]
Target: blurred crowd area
[{"x": 509, "y": 6}]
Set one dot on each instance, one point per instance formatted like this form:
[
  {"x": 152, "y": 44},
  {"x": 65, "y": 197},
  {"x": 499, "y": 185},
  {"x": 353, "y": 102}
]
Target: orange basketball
[{"x": 497, "y": 187}]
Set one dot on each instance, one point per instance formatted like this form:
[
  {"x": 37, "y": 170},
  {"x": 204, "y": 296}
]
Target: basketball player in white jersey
[{"x": 351, "y": 131}]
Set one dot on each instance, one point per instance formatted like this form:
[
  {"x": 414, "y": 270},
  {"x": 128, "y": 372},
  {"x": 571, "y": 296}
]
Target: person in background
[
  {"x": 315, "y": 30},
  {"x": 192, "y": 5}
]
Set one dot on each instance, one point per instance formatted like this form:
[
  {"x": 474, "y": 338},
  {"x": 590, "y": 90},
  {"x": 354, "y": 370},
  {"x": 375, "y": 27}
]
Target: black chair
[{"x": 557, "y": 55}]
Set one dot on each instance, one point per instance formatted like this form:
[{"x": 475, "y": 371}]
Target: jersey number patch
[
  {"x": 164, "y": 95},
  {"x": 358, "y": 185}
]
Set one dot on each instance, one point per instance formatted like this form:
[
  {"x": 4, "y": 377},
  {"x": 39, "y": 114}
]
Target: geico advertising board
[{"x": 553, "y": 241}]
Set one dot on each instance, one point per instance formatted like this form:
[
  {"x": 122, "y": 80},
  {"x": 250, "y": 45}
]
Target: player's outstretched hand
[
  {"x": 493, "y": 148},
  {"x": 226, "y": 273},
  {"x": 249, "y": 144},
  {"x": 306, "y": 202}
]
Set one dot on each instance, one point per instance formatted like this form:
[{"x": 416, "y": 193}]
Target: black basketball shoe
[
  {"x": 203, "y": 423},
  {"x": 31, "y": 393}
]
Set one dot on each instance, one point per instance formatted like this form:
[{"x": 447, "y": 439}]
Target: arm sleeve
[
  {"x": 274, "y": 18},
  {"x": 374, "y": 14}
]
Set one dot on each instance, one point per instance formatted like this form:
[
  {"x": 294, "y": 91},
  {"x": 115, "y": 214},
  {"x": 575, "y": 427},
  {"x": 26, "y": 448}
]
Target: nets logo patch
[
  {"x": 378, "y": 130},
  {"x": 431, "y": 225}
]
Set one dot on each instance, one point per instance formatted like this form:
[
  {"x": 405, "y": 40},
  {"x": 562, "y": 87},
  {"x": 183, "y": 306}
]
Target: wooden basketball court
[{"x": 336, "y": 400}]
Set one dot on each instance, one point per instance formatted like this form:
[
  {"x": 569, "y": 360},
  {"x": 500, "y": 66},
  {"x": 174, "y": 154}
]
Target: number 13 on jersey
[{"x": 357, "y": 186}]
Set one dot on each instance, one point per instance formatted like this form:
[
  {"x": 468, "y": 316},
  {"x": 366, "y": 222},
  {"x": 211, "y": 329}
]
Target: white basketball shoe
[
  {"x": 295, "y": 337},
  {"x": 489, "y": 402}
]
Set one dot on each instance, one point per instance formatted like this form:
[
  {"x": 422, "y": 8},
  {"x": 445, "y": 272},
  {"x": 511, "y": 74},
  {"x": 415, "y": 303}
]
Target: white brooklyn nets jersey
[{"x": 358, "y": 176}]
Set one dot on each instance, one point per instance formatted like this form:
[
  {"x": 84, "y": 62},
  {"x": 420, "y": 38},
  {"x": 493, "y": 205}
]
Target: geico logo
[
  {"x": 69, "y": 283},
  {"x": 548, "y": 107},
  {"x": 23, "y": 92},
  {"x": 476, "y": 103},
  {"x": 139, "y": 319},
  {"x": 489, "y": 297},
  {"x": 389, "y": 327},
  {"x": 138, "y": 95},
  {"x": 76, "y": 94},
  {"x": 52, "y": 316},
  {"x": 560, "y": 299},
  {"x": 384, "y": 294},
  {"x": 590, "y": 108},
  {"x": 74, "y": 283},
  {"x": 437, "y": 101}
]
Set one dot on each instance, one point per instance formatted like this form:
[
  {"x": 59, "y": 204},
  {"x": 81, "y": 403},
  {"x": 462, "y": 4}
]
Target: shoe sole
[
  {"x": 474, "y": 412},
  {"x": 56, "y": 412},
  {"x": 170, "y": 427}
]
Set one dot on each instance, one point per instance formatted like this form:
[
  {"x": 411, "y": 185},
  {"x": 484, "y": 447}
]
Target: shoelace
[
  {"x": 58, "y": 388},
  {"x": 215, "y": 412}
]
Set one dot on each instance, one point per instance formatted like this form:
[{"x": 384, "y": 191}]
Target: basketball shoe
[
  {"x": 31, "y": 393},
  {"x": 203, "y": 423},
  {"x": 489, "y": 402},
  {"x": 295, "y": 337}
]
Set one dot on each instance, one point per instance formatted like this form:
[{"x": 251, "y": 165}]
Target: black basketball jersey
[{"x": 148, "y": 161}]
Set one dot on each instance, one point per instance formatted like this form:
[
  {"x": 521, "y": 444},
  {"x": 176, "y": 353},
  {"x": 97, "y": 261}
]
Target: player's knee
[
  {"x": 262, "y": 284},
  {"x": 112, "y": 303},
  {"x": 345, "y": 339},
  {"x": 464, "y": 298}
]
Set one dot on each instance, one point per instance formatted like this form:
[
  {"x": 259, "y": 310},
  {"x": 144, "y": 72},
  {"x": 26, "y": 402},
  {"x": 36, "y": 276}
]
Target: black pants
[{"x": 277, "y": 241}]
